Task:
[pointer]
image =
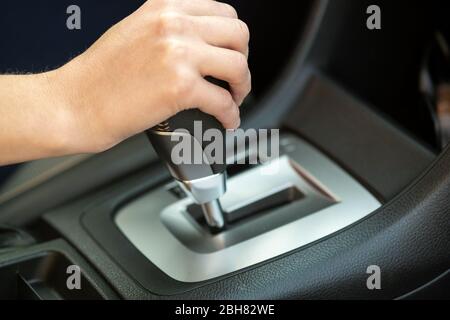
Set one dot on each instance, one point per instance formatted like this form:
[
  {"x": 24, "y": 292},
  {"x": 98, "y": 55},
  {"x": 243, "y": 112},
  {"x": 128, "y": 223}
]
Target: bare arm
[
  {"x": 144, "y": 70},
  {"x": 34, "y": 121}
]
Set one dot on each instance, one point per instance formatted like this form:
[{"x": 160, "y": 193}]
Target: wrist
[
  {"x": 75, "y": 132},
  {"x": 82, "y": 109},
  {"x": 63, "y": 130}
]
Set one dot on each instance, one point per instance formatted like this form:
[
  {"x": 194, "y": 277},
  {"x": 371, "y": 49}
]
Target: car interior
[{"x": 364, "y": 180}]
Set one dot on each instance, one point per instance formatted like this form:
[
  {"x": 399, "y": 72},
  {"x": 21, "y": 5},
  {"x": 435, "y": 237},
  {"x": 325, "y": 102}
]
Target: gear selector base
[{"x": 270, "y": 210}]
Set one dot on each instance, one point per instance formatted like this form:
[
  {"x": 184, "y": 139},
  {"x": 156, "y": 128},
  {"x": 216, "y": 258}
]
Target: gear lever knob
[{"x": 203, "y": 178}]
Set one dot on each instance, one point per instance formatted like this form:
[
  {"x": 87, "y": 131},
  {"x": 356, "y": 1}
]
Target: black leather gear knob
[{"x": 194, "y": 124}]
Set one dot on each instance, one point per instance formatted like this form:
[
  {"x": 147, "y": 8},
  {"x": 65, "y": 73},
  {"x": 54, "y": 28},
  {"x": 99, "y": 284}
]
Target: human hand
[{"x": 151, "y": 66}]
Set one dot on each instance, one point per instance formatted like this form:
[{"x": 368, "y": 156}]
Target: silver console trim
[
  {"x": 142, "y": 223},
  {"x": 206, "y": 189}
]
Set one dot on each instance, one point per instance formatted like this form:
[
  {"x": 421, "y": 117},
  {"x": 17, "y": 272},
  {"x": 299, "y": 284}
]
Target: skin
[{"x": 142, "y": 71}]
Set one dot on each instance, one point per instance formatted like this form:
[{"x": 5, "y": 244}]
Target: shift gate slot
[
  {"x": 259, "y": 205},
  {"x": 268, "y": 196}
]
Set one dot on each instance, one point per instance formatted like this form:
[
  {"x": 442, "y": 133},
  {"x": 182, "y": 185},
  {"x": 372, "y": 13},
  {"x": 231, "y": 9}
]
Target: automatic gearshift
[{"x": 204, "y": 181}]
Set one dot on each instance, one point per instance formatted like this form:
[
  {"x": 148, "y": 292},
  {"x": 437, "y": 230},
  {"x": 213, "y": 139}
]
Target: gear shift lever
[{"x": 204, "y": 181}]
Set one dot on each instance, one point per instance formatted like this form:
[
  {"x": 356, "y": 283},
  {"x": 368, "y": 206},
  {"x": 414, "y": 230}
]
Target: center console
[
  {"x": 148, "y": 240},
  {"x": 271, "y": 210}
]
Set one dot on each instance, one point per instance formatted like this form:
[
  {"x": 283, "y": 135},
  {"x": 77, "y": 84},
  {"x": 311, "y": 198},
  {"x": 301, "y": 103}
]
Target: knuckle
[
  {"x": 229, "y": 10},
  {"x": 183, "y": 84},
  {"x": 170, "y": 22},
  {"x": 241, "y": 67},
  {"x": 244, "y": 30},
  {"x": 231, "y": 116},
  {"x": 166, "y": 3},
  {"x": 250, "y": 83},
  {"x": 237, "y": 117},
  {"x": 175, "y": 50},
  {"x": 235, "y": 113},
  {"x": 228, "y": 104}
]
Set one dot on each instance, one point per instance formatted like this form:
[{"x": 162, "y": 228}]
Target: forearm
[{"x": 34, "y": 120}]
